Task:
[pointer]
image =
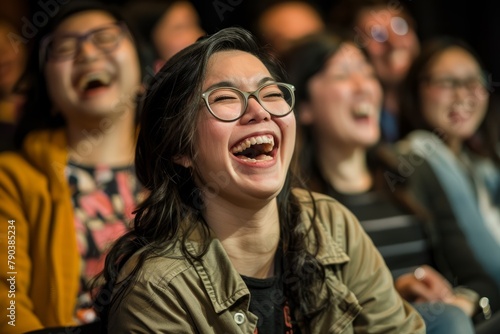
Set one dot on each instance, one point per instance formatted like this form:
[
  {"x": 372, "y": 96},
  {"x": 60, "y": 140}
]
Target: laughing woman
[
  {"x": 444, "y": 118},
  {"x": 222, "y": 244}
]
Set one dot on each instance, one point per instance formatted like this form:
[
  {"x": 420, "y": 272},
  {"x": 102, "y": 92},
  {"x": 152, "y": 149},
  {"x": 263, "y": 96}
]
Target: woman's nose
[{"x": 254, "y": 112}]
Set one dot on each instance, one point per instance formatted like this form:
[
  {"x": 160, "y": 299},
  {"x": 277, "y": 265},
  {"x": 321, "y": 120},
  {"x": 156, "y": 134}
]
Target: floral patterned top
[{"x": 103, "y": 200}]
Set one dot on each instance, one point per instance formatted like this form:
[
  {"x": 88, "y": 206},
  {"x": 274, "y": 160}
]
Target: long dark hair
[
  {"x": 38, "y": 110},
  {"x": 308, "y": 57},
  {"x": 411, "y": 116},
  {"x": 174, "y": 205}
]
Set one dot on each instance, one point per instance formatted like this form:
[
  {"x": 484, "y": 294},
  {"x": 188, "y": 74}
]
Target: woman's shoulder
[
  {"x": 158, "y": 270},
  {"x": 423, "y": 144},
  {"x": 312, "y": 202},
  {"x": 338, "y": 224}
]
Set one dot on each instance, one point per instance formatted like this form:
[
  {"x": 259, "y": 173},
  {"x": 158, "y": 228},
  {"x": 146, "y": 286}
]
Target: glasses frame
[
  {"x": 386, "y": 31},
  {"x": 431, "y": 81},
  {"x": 44, "y": 45},
  {"x": 246, "y": 96}
]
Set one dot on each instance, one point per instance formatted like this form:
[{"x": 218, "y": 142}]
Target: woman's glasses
[
  {"x": 449, "y": 83},
  {"x": 228, "y": 104}
]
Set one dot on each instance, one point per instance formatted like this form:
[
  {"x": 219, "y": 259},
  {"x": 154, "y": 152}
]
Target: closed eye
[
  {"x": 221, "y": 98},
  {"x": 274, "y": 96}
]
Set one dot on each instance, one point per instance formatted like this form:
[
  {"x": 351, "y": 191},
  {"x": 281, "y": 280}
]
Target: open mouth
[
  {"x": 93, "y": 81},
  {"x": 254, "y": 149},
  {"x": 363, "y": 111},
  {"x": 461, "y": 111},
  {"x": 459, "y": 116}
]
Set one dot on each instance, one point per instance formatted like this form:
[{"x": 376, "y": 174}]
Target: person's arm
[
  {"x": 450, "y": 243},
  {"x": 367, "y": 276},
  {"x": 15, "y": 272},
  {"x": 146, "y": 308}
]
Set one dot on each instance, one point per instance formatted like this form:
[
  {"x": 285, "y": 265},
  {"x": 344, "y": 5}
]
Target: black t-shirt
[{"x": 269, "y": 304}]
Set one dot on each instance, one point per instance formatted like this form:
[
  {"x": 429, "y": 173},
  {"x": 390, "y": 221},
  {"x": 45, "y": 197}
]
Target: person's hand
[
  {"x": 465, "y": 304},
  {"x": 424, "y": 285}
]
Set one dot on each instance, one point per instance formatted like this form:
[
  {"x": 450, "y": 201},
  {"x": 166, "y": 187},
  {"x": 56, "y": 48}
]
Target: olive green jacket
[{"x": 176, "y": 295}]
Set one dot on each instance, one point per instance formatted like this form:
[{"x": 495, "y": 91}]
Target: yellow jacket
[{"x": 40, "y": 284}]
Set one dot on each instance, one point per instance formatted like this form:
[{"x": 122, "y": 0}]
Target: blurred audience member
[
  {"x": 168, "y": 26},
  {"x": 444, "y": 101},
  {"x": 71, "y": 189},
  {"x": 338, "y": 104},
  {"x": 12, "y": 64},
  {"x": 386, "y": 31},
  {"x": 283, "y": 22},
  {"x": 177, "y": 28}
]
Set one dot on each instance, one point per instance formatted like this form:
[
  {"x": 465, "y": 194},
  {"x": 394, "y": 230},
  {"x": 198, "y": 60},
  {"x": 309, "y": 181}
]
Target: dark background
[{"x": 477, "y": 22}]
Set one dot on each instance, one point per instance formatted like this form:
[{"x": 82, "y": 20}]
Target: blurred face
[
  {"x": 247, "y": 158},
  {"x": 12, "y": 60},
  {"x": 454, "y": 98},
  {"x": 285, "y": 23},
  {"x": 178, "y": 28},
  {"x": 101, "y": 77},
  {"x": 345, "y": 101},
  {"x": 390, "y": 41}
]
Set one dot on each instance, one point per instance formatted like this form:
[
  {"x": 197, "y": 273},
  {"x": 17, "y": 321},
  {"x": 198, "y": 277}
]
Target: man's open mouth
[{"x": 91, "y": 81}]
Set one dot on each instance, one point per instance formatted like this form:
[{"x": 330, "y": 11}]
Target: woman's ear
[
  {"x": 306, "y": 115},
  {"x": 183, "y": 160}
]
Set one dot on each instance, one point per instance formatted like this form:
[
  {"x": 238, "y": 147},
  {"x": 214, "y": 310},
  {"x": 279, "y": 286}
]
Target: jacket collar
[
  {"x": 330, "y": 253},
  {"x": 47, "y": 150},
  {"x": 224, "y": 284}
]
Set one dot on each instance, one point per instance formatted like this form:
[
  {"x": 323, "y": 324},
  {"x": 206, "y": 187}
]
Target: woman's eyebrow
[
  {"x": 264, "y": 80},
  {"x": 231, "y": 84},
  {"x": 221, "y": 84}
]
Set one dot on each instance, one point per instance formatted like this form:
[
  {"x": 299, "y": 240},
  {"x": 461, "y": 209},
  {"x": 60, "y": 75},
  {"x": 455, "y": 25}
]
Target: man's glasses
[
  {"x": 66, "y": 46},
  {"x": 398, "y": 25},
  {"x": 228, "y": 104}
]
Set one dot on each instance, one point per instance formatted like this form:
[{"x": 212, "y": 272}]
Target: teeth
[
  {"x": 362, "y": 110},
  {"x": 261, "y": 157},
  {"x": 267, "y": 140},
  {"x": 102, "y": 77}
]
